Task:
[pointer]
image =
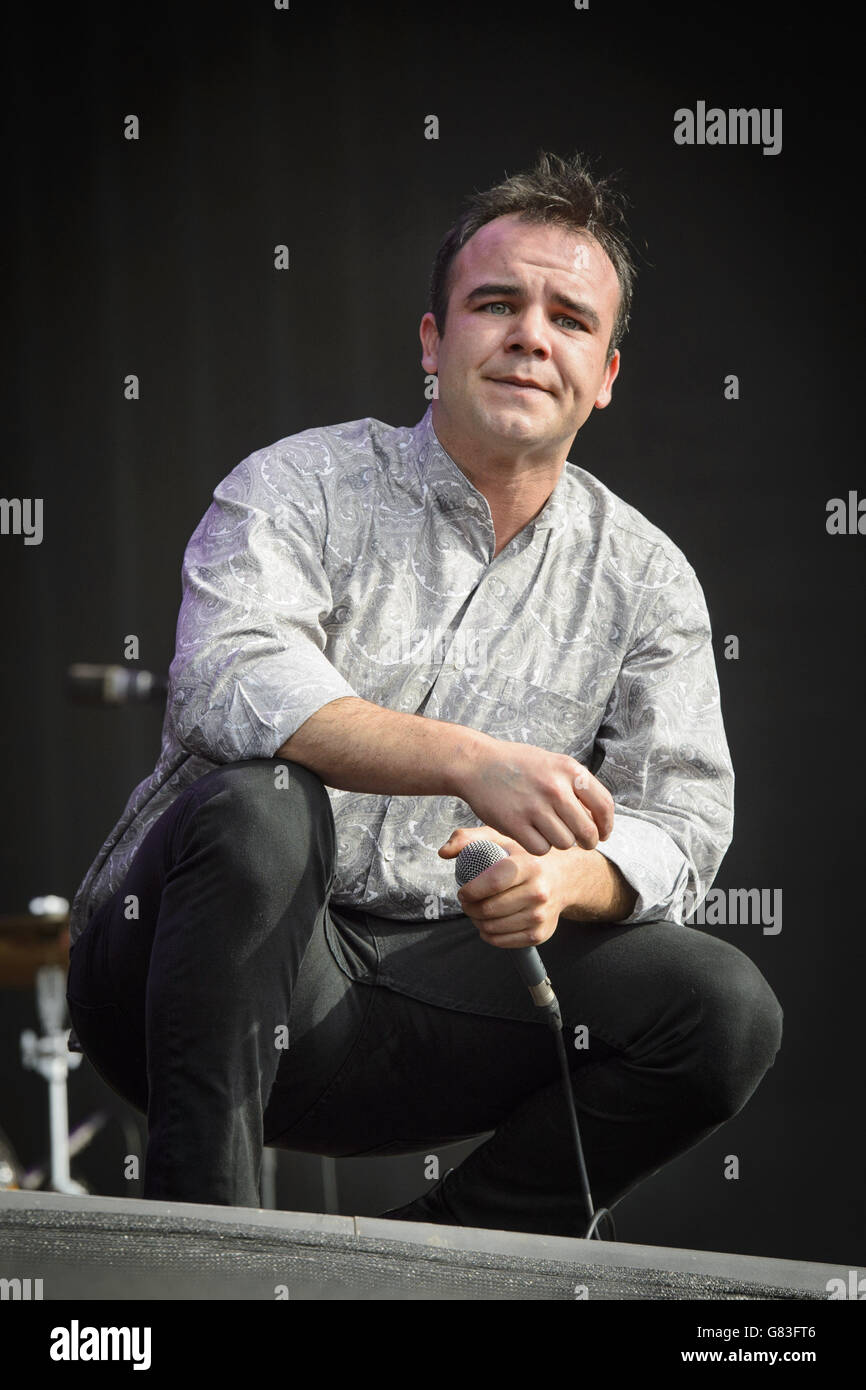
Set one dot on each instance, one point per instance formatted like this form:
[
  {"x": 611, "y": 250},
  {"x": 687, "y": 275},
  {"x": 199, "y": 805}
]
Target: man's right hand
[{"x": 540, "y": 799}]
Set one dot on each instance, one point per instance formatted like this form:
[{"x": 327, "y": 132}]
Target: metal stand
[
  {"x": 268, "y": 1183},
  {"x": 49, "y": 1056},
  {"x": 331, "y": 1196}
]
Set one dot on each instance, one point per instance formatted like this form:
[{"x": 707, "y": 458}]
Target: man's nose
[{"x": 530, "y": 332}]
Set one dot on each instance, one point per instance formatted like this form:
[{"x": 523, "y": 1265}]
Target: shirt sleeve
[
  {"x": 662, "y": 752},
  {"x": 250, "y": 664}
]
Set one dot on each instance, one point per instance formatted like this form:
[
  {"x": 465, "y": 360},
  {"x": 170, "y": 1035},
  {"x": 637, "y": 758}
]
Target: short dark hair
[{"x": 557, "y": 191}]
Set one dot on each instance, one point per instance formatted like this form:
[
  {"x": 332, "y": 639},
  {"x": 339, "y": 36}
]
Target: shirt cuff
[
  {"x": 256, "y": 712},
  {"x": 648, "y": 859}
]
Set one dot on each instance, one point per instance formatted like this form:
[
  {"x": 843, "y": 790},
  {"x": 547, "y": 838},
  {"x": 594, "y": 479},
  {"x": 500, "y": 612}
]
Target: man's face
[{"x": 533, "y": 302}]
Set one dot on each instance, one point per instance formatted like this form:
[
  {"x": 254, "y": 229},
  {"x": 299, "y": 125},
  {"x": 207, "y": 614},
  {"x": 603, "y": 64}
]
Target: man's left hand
[{"x": 517, "y": 901}]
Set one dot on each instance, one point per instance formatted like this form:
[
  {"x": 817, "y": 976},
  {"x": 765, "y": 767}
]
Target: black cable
[
  {"x": 472, "y": 861},
  {"x": 554, "y": 1019}
]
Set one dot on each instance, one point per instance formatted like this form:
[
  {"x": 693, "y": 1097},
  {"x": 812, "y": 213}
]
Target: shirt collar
[{"x": 438, "y": 471}]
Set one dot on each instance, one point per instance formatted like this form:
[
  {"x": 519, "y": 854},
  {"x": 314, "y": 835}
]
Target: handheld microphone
[{"x": 472, "y": 860}]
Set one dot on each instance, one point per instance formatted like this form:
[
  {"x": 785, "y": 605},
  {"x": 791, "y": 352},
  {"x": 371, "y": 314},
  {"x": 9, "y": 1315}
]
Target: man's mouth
[{"x": 519, "y": 385}]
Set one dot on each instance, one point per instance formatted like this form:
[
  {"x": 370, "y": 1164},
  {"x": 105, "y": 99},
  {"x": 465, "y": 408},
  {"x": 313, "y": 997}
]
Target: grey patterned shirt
[{"x": 357, "y": 559}]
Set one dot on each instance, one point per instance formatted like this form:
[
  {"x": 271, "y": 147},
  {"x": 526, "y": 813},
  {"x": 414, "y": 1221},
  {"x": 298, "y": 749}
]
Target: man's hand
[
  {"x": 517, "y": 901},
  {"x": 540, "y": 799}
]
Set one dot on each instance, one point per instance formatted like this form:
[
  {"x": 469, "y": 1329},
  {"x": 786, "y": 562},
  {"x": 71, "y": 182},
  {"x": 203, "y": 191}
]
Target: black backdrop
[{"x": 306, "y": 127}]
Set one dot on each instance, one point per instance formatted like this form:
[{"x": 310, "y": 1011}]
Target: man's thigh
[
  {"x": 629, "y": 984},
  {"x": 418, "y": 1074},
  {"x": 656, "y": 995}
]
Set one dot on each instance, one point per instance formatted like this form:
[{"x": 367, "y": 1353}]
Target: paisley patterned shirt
[{"x": 358, "y": 559}]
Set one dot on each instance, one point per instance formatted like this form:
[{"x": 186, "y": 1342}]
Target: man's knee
[
  {"x": 265, "y": 806},
  {"x": 742, "y": 1032}
]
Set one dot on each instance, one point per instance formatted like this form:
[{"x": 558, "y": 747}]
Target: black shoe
[{"x": 430, "y": 1206}]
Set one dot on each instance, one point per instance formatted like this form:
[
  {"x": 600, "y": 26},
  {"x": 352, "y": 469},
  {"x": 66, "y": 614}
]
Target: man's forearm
[
  {"x": 592, "y": 888},
  {"x": 358, "y": 746}
]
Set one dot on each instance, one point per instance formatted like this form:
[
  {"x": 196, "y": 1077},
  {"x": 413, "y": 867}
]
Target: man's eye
[{"x": 500, "y": 304}]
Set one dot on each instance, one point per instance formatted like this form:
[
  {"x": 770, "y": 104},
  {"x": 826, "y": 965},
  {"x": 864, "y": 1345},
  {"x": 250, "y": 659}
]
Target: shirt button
[{"x": 387, "y": 856}]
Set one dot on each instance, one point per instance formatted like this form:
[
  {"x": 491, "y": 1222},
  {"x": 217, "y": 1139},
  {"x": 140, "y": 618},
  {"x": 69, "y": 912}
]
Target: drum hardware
[{"x": 34, "y": 951}]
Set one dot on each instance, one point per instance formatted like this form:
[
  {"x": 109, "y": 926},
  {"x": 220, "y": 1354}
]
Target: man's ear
[
  {"x": 606, "y": 388},
  {"x": 429, "y": 336}
]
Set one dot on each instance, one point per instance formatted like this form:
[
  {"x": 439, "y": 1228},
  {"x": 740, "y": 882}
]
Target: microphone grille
[{"x": 475, "y": 857}]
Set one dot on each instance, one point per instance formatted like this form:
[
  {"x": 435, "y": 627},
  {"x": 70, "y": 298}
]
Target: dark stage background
[{"x": 306, "y": 126}]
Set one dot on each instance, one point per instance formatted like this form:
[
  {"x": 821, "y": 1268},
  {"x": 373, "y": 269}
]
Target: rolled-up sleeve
[
  {"x": 662, "y": 752},
  {"x": 250, "y": 664}
]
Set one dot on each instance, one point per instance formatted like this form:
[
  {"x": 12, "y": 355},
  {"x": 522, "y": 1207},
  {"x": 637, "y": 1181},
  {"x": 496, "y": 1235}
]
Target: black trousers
[{"x": 204, "y": 992}]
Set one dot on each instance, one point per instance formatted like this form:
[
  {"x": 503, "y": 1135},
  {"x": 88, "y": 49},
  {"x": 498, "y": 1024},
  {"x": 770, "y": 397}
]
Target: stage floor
[{"x": 117, "y": 1248}]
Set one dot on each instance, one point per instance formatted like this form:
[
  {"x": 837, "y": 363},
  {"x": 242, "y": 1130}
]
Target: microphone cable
[
  {"x": 554, "y": 1020},
  {"x": 472, "y": 860}
]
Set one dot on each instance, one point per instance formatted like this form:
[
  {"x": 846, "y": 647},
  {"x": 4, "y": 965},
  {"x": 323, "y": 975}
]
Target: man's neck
[
  {"x": 509, "y": 521},
  {"x": 516, "y": 489}
]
